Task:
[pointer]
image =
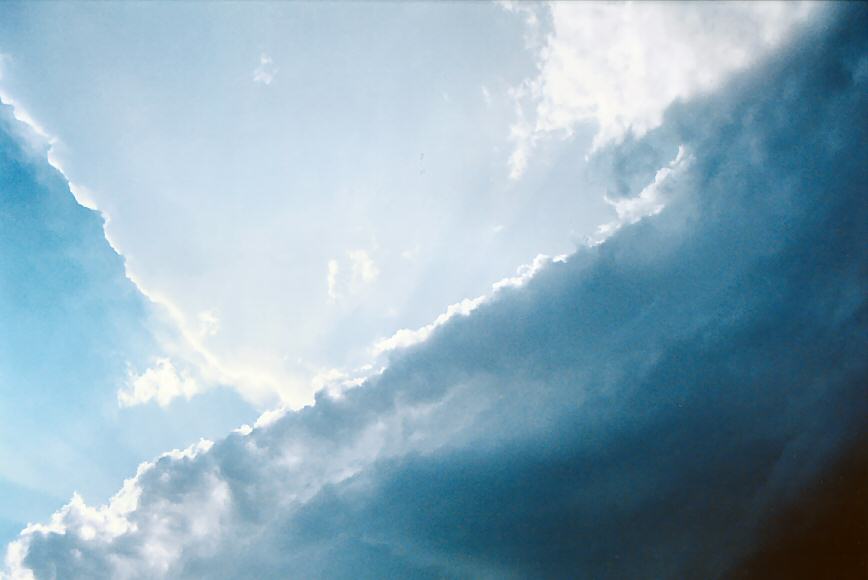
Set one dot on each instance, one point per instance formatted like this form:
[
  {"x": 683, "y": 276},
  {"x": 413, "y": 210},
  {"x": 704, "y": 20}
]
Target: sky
[{"x": 481, "y": 290}]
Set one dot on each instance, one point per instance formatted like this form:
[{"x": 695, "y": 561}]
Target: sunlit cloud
[{"x": 619, "y": 66}]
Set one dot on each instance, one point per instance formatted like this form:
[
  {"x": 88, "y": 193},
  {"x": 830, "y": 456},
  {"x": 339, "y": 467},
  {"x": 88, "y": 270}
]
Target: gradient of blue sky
[
  {"x": 73, "y": 324},
  {"x": 288, "y": 184}
]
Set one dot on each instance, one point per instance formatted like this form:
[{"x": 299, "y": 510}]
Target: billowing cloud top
[
  {"x": 638, "y": 410},
  {"x": 619, "y": 66}
]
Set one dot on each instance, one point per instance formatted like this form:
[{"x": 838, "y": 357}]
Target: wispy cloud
[
  {"x": 361, "y": 270},
  {"x": 364, "y": 269},
  {"x": 650, "y": 201},
  {"x": 265, "y": 72}
]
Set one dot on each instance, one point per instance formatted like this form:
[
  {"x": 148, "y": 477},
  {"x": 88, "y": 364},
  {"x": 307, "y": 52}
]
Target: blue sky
[
  {"x": 73, "y": 326},
  {"x": 447, "y": 290}
]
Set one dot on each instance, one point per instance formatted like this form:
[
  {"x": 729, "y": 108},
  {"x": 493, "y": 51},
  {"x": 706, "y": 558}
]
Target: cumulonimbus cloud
[{"x": 639, "y": 409}]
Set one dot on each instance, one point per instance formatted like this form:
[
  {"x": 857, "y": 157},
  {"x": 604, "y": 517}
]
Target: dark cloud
[
  {"x": 644, "y": 409},
  {"x": 824, "y": 534}
]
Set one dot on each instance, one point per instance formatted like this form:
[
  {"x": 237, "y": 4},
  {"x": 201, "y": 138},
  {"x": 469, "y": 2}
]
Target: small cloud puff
[
  {"x": 364, "y": 269},
  {"x": 363, "y": 272},
  {"x": 161, "y": 383},
  {"x": 266, "y": 71},
  {"x": 333, "y": 269}
]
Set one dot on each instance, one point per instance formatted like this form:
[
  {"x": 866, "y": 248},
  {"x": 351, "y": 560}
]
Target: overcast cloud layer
[{"x": 641, "y": 409}]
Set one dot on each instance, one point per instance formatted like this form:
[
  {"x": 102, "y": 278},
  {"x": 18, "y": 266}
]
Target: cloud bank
[{"x": 640, "y": 409}]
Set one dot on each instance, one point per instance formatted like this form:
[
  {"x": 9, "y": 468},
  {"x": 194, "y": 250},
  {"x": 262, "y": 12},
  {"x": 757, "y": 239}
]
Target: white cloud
[
  {"x": 526, "y": 272},
  {"x": 266, "y": 71},
  {"x": 209, "y": 324},
  {"x": 531, "y": 11},
  {"x": 406, "y": 337},
  {"x": 620, "y": 65},
  {"x": 332, "y": 279},
  {"x": 411, "y": 254},
  {"x": 99, "y": 527},
  {"x": 650, "y": 201},
  {"x": 365, "y": 270},
  {"x": 335, "y": 381},
  {"x": 161, "y": 383}
]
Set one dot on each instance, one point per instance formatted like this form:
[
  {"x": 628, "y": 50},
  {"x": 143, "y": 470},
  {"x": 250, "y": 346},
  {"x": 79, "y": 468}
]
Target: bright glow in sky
[
  {"x": 304, "y": 186},
  {"x": 261, "y": 202}
]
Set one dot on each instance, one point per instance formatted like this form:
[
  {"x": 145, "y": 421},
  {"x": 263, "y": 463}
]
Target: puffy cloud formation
[
  {"x": 621, "y": 65},
  {"x": 640, "y": 409},
  {"x": 161, "y": 383}
]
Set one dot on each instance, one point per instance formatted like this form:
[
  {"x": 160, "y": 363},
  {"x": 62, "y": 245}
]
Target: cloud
[
  {"x": 161, "y": 383},
  {"x": 405, "y": 337},
  {"x": 363, "y": 271},
  {"x": 650, "y": 201},
  {"x": 266, "y": 71},
  {"x": 620, "y": 65},
  {"x": 332, "y": 279},
  {"x": 641, "y": 408},
  {"x": 486, "y": 95},
  {"x": 209, "y": 324}
]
